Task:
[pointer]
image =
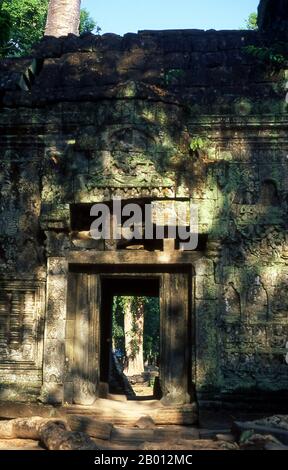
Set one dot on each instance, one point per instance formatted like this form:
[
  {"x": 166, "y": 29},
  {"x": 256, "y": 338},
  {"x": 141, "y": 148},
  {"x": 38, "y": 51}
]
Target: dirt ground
[{"x": 143, "y": 390}]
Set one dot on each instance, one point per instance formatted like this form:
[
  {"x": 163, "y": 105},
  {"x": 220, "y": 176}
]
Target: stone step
[
  {"x": 128, "y": 413},
  {"x": 119, "y": 434},
  {"x": 132, "y": 435},
  {"x": 159, "y": 434}
]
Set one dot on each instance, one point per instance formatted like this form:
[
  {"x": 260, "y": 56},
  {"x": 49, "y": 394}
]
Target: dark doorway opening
[
  {"x": 130, "y": 336},
  {"x": 92, "y": 290}
]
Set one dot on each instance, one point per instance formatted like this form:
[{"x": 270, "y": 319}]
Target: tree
[
  {"x": 63, "y": 17},
  {"x": 128, "y": 332},
  {"x": 251, "y": 23},
  {"x": 134, "y": 338},
  {"x": 134, "y": 329},
  {"x": 26, "y": 24},
  {"x": 87, "y": 23},
  {"x": 118, "y": 337},
  {"x": 22, "y": 24},
  {"x": 152, "y": 330},
  {"x": 5, "y": 27}
]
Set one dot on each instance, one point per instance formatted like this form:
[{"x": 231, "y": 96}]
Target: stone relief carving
[
  {"x": 232, "y": 303},
  {"x": 122, "y": 175},
  {"x": 116, "y": 161},
  {"x": 19, "y": 207},
  {"x": 256, "y": 243},
  {"x": 20, "y": 322},
  {"x": 124, "y": 171},
  {"x": 256, "y": 301},
  {"x": 279, "y": 302}
]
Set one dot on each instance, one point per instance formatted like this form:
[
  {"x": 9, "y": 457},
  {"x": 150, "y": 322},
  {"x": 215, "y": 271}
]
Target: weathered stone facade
[{"x": 179, "y": 115}]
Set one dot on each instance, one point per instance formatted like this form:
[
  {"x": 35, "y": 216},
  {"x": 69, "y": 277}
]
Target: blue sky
[{"x": 122, "y": 16}]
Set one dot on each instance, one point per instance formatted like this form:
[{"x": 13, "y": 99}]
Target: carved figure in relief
[
  {"x": 232, "y": 303},
  {"x": 257, "y": 301}
]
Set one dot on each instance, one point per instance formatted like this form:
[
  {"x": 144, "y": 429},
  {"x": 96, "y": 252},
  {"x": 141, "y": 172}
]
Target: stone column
[
  {"x": 174, "y": 368},
  {"x": 54, "y": 337}
]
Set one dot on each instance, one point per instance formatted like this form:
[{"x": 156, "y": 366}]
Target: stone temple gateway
[{"x": 158, "y": 116}]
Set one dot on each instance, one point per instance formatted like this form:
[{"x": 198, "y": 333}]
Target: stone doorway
[
  {"x": 126, "y": 315},
  {"x": 88, "y": 331}
]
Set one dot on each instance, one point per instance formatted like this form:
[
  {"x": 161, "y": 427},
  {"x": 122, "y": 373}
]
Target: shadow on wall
[{"x": 142, "y": 138}]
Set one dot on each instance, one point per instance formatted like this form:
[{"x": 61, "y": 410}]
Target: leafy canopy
[
  {"x": 5, "y": 25},
  {"x": 87, "y": 23},
  {"x": 251, "y": 23},
  {"x": 26, "y": 24},
  {"x": 22, "y": 24}
]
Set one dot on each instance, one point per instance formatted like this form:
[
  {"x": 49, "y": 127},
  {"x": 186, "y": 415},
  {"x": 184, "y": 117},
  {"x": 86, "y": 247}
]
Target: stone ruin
[{"x": 165, "y": 116}]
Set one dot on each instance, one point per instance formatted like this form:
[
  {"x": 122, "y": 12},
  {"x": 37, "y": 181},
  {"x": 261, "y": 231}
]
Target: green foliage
[
  {"x": 134, "y": 348},
  {"x": 276, "y": 55},
  {"x": 251, "y": 23},
  {"x": 27, "y": 22},
  {"x": 152, "y": 329},
  {"x": 87, "y": 23},
  {"x": 197, "y": 144},
  {"x": 152, "y": 382},
  {"x": 22, "y": 24},
  {"x": 118, "y": 324},
  {"x": 5, "y": 28}
]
